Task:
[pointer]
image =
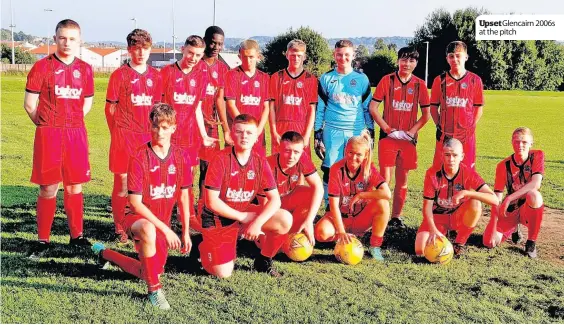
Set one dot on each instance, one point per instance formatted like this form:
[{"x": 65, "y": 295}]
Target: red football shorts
[
  {"x": 60, "y": 154},
  {"x": 160, "y": 242},
  {"x": 447, "y": 221},
  {"x": 284, "y": 126},
  {"x": 468, "y": 146},
  {"x": 393, "y": 152},
  {"x": 507, "y": 225},
  {"x": 297, "y": 202},
  {"x": 219, "y": 244},
  {"x": 207, "y": 153},
  {"x": 123, "y": 145},
  {"x": 357, "y": 225}
]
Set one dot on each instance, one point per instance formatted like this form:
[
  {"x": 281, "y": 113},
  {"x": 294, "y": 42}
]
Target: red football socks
[
  {"x": 535, "y": 220},
  {"x": 127, "y": 264},
  {"x": 74, "y": 208},
  {"x": 46, "y": 208},
  {"x": 118, "y": 210}
]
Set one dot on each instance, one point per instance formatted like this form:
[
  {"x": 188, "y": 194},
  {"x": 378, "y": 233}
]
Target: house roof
[
  {"x": 43, "y": 49},
  {"x": 161, "y": 50},
  {"x": 102, "y": 51},
  {"x": 231, "y": 59}
]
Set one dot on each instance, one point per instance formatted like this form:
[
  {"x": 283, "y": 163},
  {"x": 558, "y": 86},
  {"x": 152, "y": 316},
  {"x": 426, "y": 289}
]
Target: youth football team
[{"x": 165, "y": 123}]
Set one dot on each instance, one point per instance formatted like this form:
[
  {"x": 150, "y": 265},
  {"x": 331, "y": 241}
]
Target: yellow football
[
  {"x": 440, "y": 252},
  {"x": 351, "y": 253},
  {"x": 297, "y": 247}
]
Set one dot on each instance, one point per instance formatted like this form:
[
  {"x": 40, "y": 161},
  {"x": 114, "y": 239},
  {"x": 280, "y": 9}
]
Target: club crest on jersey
[
  {"x": 239, "y": 195},
  {"x": 251, "y": 174},
  {"x": 149, "y": 83},
  {"x": 141, "y": 100},
  {"x": 458, "y": 187},
  {"x": 192, "y": 83},
  {"x": 257, "y": 84},
  {"x": 294, "y": 178},
  {"x": 527, "y": 168},
  {"x": 463, "y": 85},
  {"x": 361, "y": 186},
  {"x": 353, "y": 83},
  {"x": 67, "y": 92},
  {"x": 162, "y": 191},
  {"x": 76, "y": 74},
  {"x": 171, "y": 170},
  {"x": 410, "y": 91},
  {"x": 300, "y": 84},
  {"x": 214, "y": 75}
]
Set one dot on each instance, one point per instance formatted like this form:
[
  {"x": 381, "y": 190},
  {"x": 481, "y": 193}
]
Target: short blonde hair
[
  {"x": 364, "y": 140},
  {"x": 296, "y": 44},
  {"x": 523, "y": 130}
]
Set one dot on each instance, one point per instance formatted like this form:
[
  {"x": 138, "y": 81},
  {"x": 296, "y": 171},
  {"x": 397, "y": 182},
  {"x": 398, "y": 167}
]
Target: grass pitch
[{"x": 485, "y": 286}]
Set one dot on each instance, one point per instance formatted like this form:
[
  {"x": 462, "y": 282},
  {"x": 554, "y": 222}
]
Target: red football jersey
[
  {"x": 238, "y": 185},
  {"x": 62, "y": 89},
  {"x": 287, "y": 181},
  {"x": 510, "y": 176},
  {"x": 216, "y": 74},
  {"x": 401, "y": 100},
  {"x": 457, "y": 99},
  {"x": 440, "y": 189},
  {"x": 184, "y": 91},
  {"x": 344, "y": 187},
  {"x": 135, "y": 94},
  {"x": 293, "y": 96},
  {"x": 249, "y": 93},
  {"x": 159, "y": 181}
]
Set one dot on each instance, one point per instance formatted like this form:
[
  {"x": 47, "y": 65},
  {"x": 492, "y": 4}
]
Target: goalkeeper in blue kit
[{"x": 342, "y": 109}]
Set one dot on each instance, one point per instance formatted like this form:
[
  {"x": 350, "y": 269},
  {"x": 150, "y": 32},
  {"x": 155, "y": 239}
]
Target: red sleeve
[
  {"x": 187, "y": 179},
  {"x": 312, "y": 94},
  {"x": 135, "y": 175},
  {"x": 381, "y": 89},
  {"x": 479, "y": 92},
  {"x": 334, "y": 186},
  {"x": 476, "y": 182},
  {"x": 429, "y": 185},
  {"x": 308, "y": 168},
  {"x": 112, "y": 94},
  {"x": 273, "y": 87},
  {"x": 538, "y": 163},
  {"x": 376, "y": 180},
  {"x": 500, "y": 177},
  {"x": 35, "y": 79},
  {"x": 268, "y": 181},
  {"x": 88, "y": 81},
  {"x": 436, "y": 92},
  {"x": 231, "y": 85},
  {"x": 265, "y": 90},
  {"x": 214, "y": 176},
  {"x": 423, "y": 95}
]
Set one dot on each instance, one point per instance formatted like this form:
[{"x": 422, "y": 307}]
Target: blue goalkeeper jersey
[{"x": 343, "y": 101}]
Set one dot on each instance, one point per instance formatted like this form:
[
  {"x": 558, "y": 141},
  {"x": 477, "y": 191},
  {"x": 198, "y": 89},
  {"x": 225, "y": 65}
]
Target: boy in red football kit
[
  {"x": 289, "y": 165},
  {"x": 246, "y": 91},
  {"x": 402, "y": 93},
  {"x": 184, "y": 88},
  {"x": 521, "y": 175},
  {"x": 58, "y": 95},
  {"x": 453, "y": 197},
  {"x": 158, "y": 177},
  {"x": 132, "y": 90},
  {"x": 460, "y": 95},
  {"x": 235, "y": 176},
  {"x": 358, "y": 198},
  {"x": 293, "y": 93},
  {"x": 213, "y": 106}
]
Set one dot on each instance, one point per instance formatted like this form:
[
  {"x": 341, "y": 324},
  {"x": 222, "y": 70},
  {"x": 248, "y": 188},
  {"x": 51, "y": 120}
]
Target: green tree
[
  {"x": 318, "y": 53},
  {"x": 381, "y": 63},
  {"x": 20, "y": 56},
  {"x": 361, "y": 56}
]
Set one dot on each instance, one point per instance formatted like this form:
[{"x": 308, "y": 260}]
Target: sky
[{"x": 111, "y": 20}]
